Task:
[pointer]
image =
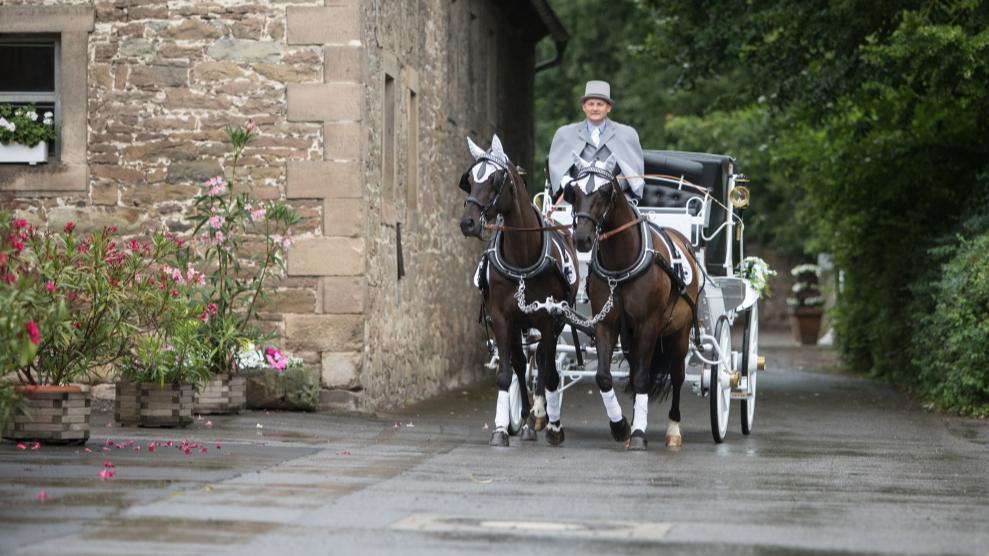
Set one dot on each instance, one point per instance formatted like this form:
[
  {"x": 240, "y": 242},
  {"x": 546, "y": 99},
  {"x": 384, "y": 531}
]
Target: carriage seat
[{"x": 663, "y": 195}]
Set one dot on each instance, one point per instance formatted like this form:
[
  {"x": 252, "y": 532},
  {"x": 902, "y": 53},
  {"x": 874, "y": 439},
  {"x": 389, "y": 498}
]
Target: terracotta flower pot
[
  {"x": 168, "y": 405},
  {"x": 223, "y": 394},
  {"x": 127, "y": 403},
  {"x": 53, "y": 414},
  {"x": 805, "y": 323}
]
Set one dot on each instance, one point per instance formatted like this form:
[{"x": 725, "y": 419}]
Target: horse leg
[
  {"x": 537, "y": 417},
  {"x": 546, "y": 357},
  {"x": 605, "y": 343},
  {"x": 642, "y": 379},
  {"x": 518, "y": 363},
  {"x": 677, "y": 346},
  {"x": 506, "y": 336}
]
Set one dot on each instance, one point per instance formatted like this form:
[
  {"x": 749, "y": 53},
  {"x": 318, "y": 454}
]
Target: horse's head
[
  {"x": 488, "y": 186},
  {"x": 592, "y": 193}
]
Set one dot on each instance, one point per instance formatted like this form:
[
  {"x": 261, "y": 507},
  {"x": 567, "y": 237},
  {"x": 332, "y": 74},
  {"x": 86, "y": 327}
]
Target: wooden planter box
[
  {"x": 53, "y": 414},
  {"x": 168, "y": 405},
  {"x": 223, "y": 394},
  {"x": 16, "y": 152},
  {"x": 127, "y": 403},
  {"x": 805, "y": 323}
]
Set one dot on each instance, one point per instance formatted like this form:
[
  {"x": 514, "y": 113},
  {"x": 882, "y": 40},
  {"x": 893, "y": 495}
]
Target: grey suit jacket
[{"x": 618, "y": 139}]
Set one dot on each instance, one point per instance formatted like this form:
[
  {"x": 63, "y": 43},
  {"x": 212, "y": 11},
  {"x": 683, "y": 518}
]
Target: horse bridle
[
  {"x": 601, "y": 173},
  {"x": 472, "y": 200}
]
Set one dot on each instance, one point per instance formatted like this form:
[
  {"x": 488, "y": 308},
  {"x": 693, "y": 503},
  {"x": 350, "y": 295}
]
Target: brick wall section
[
  {"x": 336, "y": 259},
  {"x": 165, "y": 77}
]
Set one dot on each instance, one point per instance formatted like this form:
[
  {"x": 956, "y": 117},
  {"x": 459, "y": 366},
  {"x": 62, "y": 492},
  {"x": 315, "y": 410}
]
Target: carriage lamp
[
  {"x": 739, "y": 196},
  {"x": 760, "y": 363}
]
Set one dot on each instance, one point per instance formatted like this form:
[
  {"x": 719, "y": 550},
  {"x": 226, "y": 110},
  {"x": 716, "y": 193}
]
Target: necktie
[{"x": 596, "y": 136}]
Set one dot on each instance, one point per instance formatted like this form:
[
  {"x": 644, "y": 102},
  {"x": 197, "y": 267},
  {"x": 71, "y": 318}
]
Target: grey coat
[{"x": 618, "y": 139}]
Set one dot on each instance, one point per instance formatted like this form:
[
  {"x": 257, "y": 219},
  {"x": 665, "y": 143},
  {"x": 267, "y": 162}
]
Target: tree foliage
[{"x": 862, "y": 124}]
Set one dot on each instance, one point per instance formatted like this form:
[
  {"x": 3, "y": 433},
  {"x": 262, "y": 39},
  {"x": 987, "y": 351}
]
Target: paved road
[{"x": 835, "y": 464}]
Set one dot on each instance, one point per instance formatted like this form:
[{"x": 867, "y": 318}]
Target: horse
[
  {"x": 525, "y": 259},
  {"x": 643, "y": 288}
]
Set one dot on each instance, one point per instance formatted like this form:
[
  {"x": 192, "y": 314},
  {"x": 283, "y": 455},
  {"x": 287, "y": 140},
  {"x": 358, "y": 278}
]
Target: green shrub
[{"x": 951, "y": 342}]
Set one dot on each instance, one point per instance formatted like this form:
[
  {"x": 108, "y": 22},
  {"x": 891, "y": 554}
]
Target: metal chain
[{"x": 552, "y": 305}]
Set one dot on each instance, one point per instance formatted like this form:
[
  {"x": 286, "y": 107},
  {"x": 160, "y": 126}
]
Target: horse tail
[{"x": 659, "y": 374}]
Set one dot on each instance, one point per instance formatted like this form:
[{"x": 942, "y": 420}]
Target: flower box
[
  {"x": 168, "y": 405},
  {"x": 52, "y": 414},
  {"x": 127, "y": 403},
  {"x": 223, "y": 394},
  {"x": 18, "y": 153},
  {"x": 294, "y": 389}
]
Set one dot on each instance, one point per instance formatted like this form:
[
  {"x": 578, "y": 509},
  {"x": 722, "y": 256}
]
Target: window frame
[
  {"x": 35, "y": 97},
  {"x": 67, "y": 169}
]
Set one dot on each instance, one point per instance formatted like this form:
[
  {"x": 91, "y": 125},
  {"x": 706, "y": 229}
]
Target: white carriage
[{"x": 699, "y": 195}]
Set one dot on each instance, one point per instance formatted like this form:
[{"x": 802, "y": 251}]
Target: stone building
[{"x": 363, "y": 106}]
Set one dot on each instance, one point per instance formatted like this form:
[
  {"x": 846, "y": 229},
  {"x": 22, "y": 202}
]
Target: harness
[
  {"x": 648, "y": 256},
  {"x": 493, "y": 256}
]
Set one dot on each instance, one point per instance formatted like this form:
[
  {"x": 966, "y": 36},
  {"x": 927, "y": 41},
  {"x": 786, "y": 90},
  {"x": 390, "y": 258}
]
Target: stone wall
[{"x": 165, "y": 77}]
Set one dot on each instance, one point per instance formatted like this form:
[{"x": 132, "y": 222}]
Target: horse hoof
[
  {"x": 637, "y": 442},
  {"x": 527, "y": 433},
  {"x": 499, "y": 439},
  {"x": 554, "y": 434},
  {"x": 539, "y": 423},
  {"x": 674, "y": 441},
  {"x": 621, "y": 430}
]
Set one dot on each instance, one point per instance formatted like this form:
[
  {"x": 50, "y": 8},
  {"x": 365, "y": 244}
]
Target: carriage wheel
[
  {"x": 719, "y": 383},
  {"x": 750, "y": 356}
]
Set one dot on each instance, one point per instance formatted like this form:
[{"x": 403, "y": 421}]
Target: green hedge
[{"x": 951, "y": 339}]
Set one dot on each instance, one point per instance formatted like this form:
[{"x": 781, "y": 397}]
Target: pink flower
[
  {"x": 250, "y": 126},
  {"x": 212, "y": 308},
  {"x": 152, "y": 447},
  {"x": 42, "y": 496},
  {"x": 36, "y": 446},
  {"x": 50, "y": 286},
  {"x": 69, "y": 227},
  {"x": 204, "y": 316},
  {"x": 34, "y": 334},
  {"x": 257, "y": 215},
  {"x": 106, "y": 474},
  {"x": 275, "y": 358},
  {"x": 20, "y": 223},
  {"x": 216, "y": 221},
  {"x": 217, "y": 186},
  {"x": 21, "y": 446}
]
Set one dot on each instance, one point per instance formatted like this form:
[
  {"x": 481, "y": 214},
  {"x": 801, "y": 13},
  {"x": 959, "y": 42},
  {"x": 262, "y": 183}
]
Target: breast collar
[
  {"x": 647, "y": 255},
  {"x": 546, "y": 258}
]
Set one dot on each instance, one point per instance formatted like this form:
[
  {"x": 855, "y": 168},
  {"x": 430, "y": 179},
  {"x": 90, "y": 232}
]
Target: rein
[
  {"x": 503, "y": 228},
  {"x": 620, "y": 229}
]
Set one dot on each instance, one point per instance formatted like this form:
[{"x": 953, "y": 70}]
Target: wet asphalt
[{"x": 835, "y": 464}]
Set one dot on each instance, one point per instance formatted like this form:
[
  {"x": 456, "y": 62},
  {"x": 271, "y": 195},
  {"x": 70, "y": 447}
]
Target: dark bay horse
[
  {"x": 525, "y": 261},
  {"x": 653, "y": 282}
]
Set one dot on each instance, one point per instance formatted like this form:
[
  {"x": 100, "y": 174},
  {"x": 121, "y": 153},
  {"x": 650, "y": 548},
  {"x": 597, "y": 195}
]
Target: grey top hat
[{"x": 597, "y": 89}]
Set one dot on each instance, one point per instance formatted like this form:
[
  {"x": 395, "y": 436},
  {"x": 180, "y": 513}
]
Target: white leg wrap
[
  {"x": 673, "y": 429},
  {"x": 641, "y": 412},
  {"x": 553, "y": 402},
  {"x": 501, "y": 413},
  {"x": 539, "y": 406},
  {"x": 611, "y": 405}
]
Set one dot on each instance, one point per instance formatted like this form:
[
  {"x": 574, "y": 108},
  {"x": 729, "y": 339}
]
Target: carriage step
[{"x": 740, "y": 395}]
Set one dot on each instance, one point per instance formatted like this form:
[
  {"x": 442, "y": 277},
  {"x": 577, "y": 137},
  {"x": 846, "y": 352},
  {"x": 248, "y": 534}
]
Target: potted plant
[
  {"x": 168, "y": 354},
  {"x": 806, "y": 305},
  {"x": 167, "y": 365},
  {"x": 758, "y": 273},
  {"x": 244, "y": 241},
  {"x": 275, "y": 381},
  {"x": 79, "y": 297},
  {"x": 23, "y": 138}
]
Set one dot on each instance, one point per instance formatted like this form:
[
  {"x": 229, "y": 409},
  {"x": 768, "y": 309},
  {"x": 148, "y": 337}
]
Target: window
[
  {"x": 388, "y": 161},
  {"x": 412, "y": 164},
  {"x": 28, "y": 64},
  {"x": 44, "y": 59}
]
